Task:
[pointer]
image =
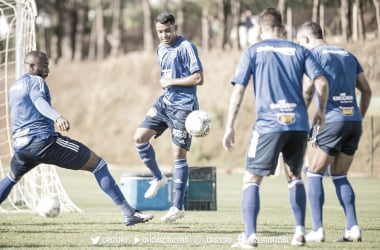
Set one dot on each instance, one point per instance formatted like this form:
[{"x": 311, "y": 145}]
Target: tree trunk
[
  {"x": 205, "y": 29},
  {"x": 316, "y": 9},
  {"x": 99, "y": 30},
  {"x": 282, "y": 6},
  {"x": 226, "y": 24},
  {"x": 345, "y": 19},
  {"x": 115, "y": 37},
  {"x": 377, "y": 8},
  {"x": 79, "y": 30},
  {"x": 235, "y": 13},
  {"x": 148, "y": 35},
  {"x": 361, "y": 26}
]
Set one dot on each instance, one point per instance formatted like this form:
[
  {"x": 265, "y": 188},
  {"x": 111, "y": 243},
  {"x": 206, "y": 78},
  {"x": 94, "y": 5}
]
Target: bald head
[
  {"x": 34, "y": 57},
  {"x": 37, "y": 63}
]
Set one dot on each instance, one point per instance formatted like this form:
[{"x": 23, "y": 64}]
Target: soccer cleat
[
  {"x": 354, "y": 234},
  {"x": 173, "y": 215},
  {"x": 245, "y": 243},
  {"x": 316, "y": 236},
  {"x": 299, "y": 236},
  {"x": 155, "y": 185},
  {"x": 136, "y": 218}
]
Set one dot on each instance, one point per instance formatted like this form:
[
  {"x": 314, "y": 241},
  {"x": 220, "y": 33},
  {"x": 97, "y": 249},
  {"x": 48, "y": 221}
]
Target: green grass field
[{"x": 199, "y": 229}]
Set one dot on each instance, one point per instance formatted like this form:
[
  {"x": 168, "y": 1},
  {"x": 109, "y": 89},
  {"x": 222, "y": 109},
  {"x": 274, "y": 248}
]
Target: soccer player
[
  {"x": 181, "y": 72},
  {"x": 277, "y": 67},
  {"x": 337, "y": 142},
  {"x": 36, "y": 141}
]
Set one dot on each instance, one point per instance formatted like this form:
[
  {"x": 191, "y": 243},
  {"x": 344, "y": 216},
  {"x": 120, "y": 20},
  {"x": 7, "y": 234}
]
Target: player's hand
[
  {"x": 63, "y": 124},
  {"x": 229, "y": 139},
  {"x": 165, "y": 82}
]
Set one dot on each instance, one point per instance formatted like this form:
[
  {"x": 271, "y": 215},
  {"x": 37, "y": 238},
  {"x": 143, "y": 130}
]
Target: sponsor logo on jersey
[
  {"x": 286, "y": 118},
  {"x": 343, "y": 97},
  {"x": 347, "y": 111},
  {"x": 283, "y": 105},
  {"x": 287, "y": 51},
  {"x": 336, "y": 52}
]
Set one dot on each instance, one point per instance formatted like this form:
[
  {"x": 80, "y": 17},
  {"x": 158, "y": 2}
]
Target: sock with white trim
[
  {"x": 148, "y": 156},
  {"x": 250, "y": 207},
  {"x": 108, "y": 185},
  {"x": 180, "y": 179},
  {"x": 6, "y": 185},
  {"x": 316, "y": 197},
  {"x": 346, "y": 196},
  {"x": 297, "y": 199}
]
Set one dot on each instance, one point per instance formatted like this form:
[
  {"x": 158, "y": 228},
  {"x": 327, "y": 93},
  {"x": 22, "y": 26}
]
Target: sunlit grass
[{"x": 101, "y": 220}]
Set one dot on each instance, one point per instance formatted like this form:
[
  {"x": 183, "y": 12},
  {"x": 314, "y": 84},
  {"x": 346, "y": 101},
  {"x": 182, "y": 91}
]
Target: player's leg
[
  {"x": 181, "y": 142},
  {"x": 261, "y": 160},
  {"x": 346, "y": 196},
  {"x": 71, "y": 154},
  {"x": 293, "y": 157},
  {"x": 154, "y": 124},
  {"x": 146, "y": 150},
  {"x": 23, "y": 160},
  {"x": 315, "y": 192},
  {"x": 19, "y": 167}
]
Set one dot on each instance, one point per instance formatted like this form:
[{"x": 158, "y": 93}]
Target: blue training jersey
[
  {"x": 277, "y": 67},
  {"x": 342, "y": 69},
  {"x": 27, "y": 122},
  {"x": 177, "y": 61}
]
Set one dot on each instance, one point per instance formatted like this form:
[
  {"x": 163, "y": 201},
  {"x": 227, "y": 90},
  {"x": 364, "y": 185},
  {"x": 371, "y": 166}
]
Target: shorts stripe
[{"x": 67, "y": 144}]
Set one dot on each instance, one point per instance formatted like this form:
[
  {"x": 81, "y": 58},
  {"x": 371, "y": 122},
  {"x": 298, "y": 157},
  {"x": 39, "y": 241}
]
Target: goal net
[{"x": 17, "y": 37}]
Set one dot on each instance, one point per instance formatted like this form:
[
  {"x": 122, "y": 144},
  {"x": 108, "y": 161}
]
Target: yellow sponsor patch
[
  {"x": 286, "y": 118},
  {"x": 347, "y": 111}
]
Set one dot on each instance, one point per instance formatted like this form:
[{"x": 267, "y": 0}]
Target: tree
[
  {"x": 377, "y": 8},
  {"x": 82, "y": 9},
  {"x": 148, "y": 33},
  {"x": 114, "y": 38},
  {"x": 316, "y": 14},
  {"x": 345, "y": 19}
]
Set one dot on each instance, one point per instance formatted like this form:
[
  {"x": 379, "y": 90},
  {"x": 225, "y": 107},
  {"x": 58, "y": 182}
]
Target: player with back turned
[
  {"x": 277, "y": 67},
  {"x": 337, "y": 142},
  {"x": 35, "y": 140},
  {"x": 181, "y": 73}
]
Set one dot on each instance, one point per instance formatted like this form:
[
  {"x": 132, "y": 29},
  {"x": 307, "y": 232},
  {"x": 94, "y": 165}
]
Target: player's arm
[
  {"x": 192, "y": 80},
  {"x": 366, "y": 93},
  {"x": 234, "y": 107},
  {"x": 322, "y": 89},
  {"x": 308, "y": 90},
  {"x": 46, "y": 110}
]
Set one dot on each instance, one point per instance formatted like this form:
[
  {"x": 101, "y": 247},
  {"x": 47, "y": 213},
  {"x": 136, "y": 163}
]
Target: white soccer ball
[
  {"x": 198, "y": 123},
  {"x": 48, "y": 207}
]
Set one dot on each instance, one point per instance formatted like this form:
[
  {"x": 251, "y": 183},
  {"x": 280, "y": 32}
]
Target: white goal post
[{"x": 17, "y": 37}]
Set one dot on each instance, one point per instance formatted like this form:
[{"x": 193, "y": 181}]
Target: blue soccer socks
[
  {"x": 6, "y": 185},
  {"x": 297, "y": 199},
  {"x": 316, "y": 197},
  {"x": 250, "y": 207},
  {"x": 108, "y": 185},
  {"x": 346, "y": 198},
  {"x": 181, "y": 175},
  {"x": 148, "y": 156}
]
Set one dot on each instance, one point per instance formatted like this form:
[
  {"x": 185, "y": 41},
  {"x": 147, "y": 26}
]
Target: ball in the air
[
  {"x": 198, "y": 123},
  {"x": 48, "y": 207}
]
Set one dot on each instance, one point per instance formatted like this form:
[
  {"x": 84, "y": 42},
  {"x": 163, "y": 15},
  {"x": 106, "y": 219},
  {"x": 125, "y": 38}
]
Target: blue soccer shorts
[
  {"x": 264, "y": 150},
  {"x": 57, "y": 150},
  {"x": 161, "y": 116},
  {"x": 340, "y": 137}
]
